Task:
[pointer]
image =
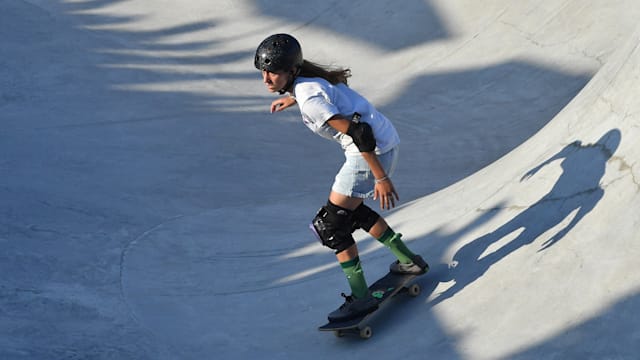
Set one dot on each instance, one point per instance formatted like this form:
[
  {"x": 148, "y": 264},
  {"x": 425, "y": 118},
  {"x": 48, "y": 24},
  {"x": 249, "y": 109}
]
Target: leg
[
  {"x": 348, "y": 255},
  {"x": 334, "y": 225},
  {"x": 360, "y": 301},
  {"x": 370, "y": 221},
  {"x": 375, "y": 225},
  {"x": 379, "y": 228},
  {"x": 345, "y": 201},
  {"x": 349, "y": 203}
]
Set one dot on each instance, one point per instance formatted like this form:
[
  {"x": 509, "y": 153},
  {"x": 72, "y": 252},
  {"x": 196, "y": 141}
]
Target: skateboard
[{"x": 384, "y": 290}]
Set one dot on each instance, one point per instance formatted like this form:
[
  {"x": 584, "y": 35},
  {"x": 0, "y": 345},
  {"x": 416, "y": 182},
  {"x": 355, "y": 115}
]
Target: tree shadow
[
  {"x": 577, "y": 190},
  {"x": 135, "y": 159},
  {"x": 386, "y": 24},
  {"x": 612, "y": 334},
  {"x": 499, "y": 107}
]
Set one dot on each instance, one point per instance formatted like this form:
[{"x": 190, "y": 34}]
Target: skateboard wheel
[
  {"x": 414, "y": 290},
  {"x": 338, "y": 333},
  {"x": 366, "y": 332}
]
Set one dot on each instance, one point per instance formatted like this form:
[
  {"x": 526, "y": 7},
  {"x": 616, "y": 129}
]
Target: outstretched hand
[
  {"x": 386, "y": 192},
  {"x": 282, "y": 103}
]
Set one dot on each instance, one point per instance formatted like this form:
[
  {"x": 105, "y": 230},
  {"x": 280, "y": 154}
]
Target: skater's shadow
[{"x": 578, "y": 190}]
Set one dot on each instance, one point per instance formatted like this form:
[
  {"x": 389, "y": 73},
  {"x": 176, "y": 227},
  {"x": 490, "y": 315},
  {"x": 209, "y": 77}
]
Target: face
[{"x": 275, "y": 81}]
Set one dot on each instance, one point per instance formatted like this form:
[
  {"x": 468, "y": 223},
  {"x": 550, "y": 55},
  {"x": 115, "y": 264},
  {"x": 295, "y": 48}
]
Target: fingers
[
  {"x": 282, "y": 103},
  {"x": 387, "y": 202},
  {"x": 391, "y": 199},
  {"x": 387, "y": 195},
  {"x": 276, "y": 105}
]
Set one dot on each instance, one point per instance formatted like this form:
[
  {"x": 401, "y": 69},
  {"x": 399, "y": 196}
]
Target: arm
[
  {"x": 282, "y": 103},
  {"x": 562, "y": 154},
  {"x": 383, "y": 189}
]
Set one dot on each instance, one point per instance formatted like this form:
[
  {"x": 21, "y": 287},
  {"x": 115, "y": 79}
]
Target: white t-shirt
[{"x": 319, "y": 100}]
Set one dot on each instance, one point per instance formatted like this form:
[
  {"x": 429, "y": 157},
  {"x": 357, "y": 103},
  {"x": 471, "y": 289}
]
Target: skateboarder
[{"x": 333, "y": 110}]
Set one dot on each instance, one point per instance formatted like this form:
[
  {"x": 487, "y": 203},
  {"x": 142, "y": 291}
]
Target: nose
[{"x": 265, "y": 77}]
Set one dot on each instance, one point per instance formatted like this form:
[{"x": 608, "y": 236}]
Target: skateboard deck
[{"x": 383, "y": 290}]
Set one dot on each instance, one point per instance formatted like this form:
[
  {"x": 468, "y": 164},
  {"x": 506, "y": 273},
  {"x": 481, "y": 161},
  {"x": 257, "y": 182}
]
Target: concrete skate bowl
[
  {"x": 153, "y": 209},
  {"x": 531, "y": 254}
]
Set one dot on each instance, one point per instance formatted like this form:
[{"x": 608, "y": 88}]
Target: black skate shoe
[
  {"x": 417, "y": 267},
  {"x": 352, "y": 308}
]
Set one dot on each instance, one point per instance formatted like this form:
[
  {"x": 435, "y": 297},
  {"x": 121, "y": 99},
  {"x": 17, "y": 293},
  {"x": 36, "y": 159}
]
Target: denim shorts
[{"x": 355, "y": 178}]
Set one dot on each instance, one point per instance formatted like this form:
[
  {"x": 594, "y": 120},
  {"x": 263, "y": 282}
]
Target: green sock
[
  {"x": 353, "y": 270},
  {"x": 392, "y": 240}
]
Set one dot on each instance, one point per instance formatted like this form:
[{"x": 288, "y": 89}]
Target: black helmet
[{"x": 279, "y": 52}]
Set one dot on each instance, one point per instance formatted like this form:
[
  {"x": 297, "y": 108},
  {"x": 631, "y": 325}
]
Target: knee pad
[
  {"x": 333, "y": 225},
  {"x": 364, "y": 218}
]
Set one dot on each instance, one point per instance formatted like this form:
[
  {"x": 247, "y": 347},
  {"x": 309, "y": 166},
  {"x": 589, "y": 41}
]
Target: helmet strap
[{"x": 294, "y": 74}]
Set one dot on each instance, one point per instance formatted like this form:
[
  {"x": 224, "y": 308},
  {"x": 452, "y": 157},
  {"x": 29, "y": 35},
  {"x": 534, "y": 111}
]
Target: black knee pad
[
  {"x": 333, "y": 225},
  {"x": 364, "y": 218}
]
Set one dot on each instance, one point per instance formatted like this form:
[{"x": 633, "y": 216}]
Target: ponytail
[{"x": 334, "y": 75}]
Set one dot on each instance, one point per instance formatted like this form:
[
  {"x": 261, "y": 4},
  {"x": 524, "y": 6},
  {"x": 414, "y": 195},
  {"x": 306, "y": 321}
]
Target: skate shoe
[
  {"x": 352, "y": 308},
  {"x": 417, "y": 267}
]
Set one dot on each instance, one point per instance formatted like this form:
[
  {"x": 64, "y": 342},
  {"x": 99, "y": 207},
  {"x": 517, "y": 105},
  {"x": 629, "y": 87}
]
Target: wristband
[{"x": 382, "y": 179}]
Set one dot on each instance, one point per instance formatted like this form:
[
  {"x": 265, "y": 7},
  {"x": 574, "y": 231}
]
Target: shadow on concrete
[
  {"x": 454, "y": 124},
  {"x": 586, "y": 340},
  {"x": 576, "y": 192},
  {"x": 386, "y": 24},
  {"x": 120, "y": 162}
]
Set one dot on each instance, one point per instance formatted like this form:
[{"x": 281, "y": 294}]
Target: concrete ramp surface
[{"x": 152, "y": 208}]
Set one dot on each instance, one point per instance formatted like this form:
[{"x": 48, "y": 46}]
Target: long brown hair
[{"x": 334, "y": 75}]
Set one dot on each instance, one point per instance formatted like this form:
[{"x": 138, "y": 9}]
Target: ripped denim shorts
[{"x": 355, "y": 178}]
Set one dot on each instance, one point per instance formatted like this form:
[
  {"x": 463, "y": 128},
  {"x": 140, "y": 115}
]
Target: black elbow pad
[{"x": 362, "y": 136}]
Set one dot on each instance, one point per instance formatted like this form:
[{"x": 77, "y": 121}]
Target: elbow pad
[{"x": 362, "y": 136}]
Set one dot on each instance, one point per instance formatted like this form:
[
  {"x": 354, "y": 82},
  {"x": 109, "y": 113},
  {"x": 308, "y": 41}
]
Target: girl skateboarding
[{"x": 370, "y": 142}]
